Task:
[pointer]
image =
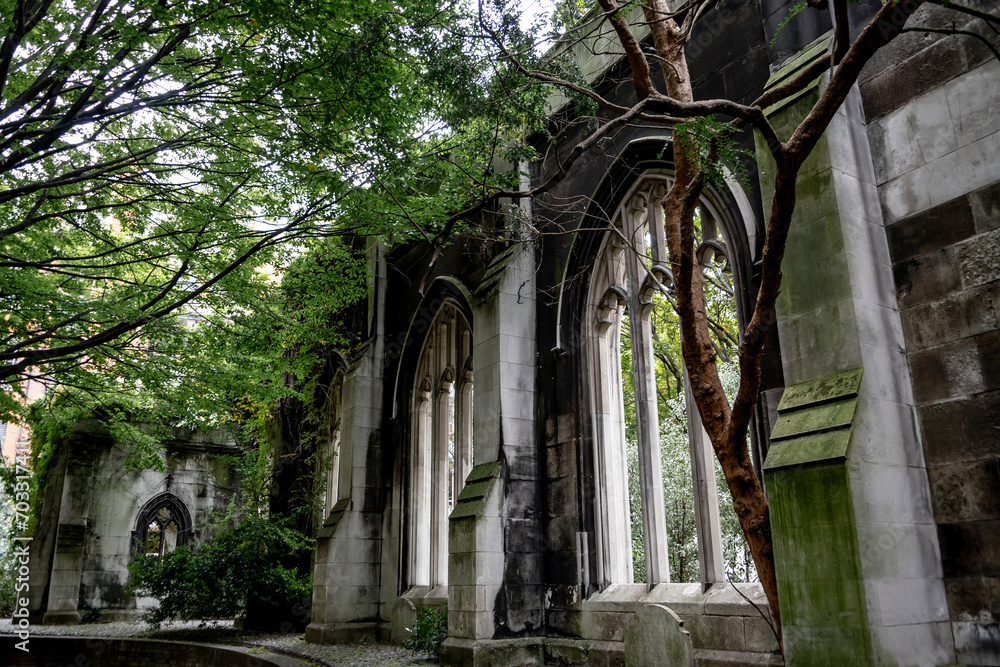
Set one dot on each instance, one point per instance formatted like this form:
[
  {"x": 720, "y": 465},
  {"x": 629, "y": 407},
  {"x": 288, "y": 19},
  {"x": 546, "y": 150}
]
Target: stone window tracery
[
  {"x": 628, "y": 279},
  {"x": 441, "y": 442},
  {"x": 162, "y": 525}
]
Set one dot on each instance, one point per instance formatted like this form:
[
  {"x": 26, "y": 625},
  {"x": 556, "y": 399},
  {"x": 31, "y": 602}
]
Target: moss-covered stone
[
  {"x": 828, "y": 388},
  {"x": 820, "y": 417},
  {"x": 808, "y": 449},
  {"x": 478, "y": 484},
  {"x": 817, "y": 560}
]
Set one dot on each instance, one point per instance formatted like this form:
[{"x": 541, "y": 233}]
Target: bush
[
  {"x": 239, "y": 573},
  {"x": 429, "y": 631}
]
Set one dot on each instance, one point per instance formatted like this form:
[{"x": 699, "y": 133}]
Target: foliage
[
  {"x": 137, "y": 421},
  {"x": 699, "y": 136},
  {"x": 237, "y": 570},
  {"x": 566, "y": 13},
  {"x": 8, "y": 562},
  {"x": 166, "y": 180},
  {"x": 430, "y": 629}
]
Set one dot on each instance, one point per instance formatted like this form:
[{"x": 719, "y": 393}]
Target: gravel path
[{"x": 222, "y": 632}]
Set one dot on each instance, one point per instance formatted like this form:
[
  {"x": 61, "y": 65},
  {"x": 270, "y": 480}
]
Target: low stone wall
[
  {"x": 103, "y": 652},
  {"x": 726, "y": 623},
  {"x": 726, "y": 628}
]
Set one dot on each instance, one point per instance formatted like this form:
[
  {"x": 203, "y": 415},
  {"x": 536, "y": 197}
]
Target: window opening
[
  {"x": 452, "y": 481},
  {"x": 441, "y": 451},
  {"x": 164, "y": 524},
  {"x": 334, "y": 417},
  {"x": 646, "y": 428}
]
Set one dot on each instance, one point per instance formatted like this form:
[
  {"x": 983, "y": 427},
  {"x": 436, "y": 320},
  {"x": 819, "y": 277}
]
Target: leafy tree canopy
[{"x": 162, "y": 162}]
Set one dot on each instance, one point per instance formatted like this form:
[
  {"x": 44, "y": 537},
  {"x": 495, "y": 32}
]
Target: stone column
[
  {"x": 71, "y": 530},
  {"x": 855, "y": 546},
  {"x": 495, "y": 572},
  {"x": 346, "y": 576}
]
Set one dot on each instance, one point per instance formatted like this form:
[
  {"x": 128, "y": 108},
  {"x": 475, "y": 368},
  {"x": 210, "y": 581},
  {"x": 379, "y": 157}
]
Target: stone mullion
[
  {"x": 614, "y": 539},
  {"x": 463, "y": 408},
  {"x": 706, "y": 495},
  {"x": 463, "y": 434},
  {"x": 648, "y": 435},
  {"x": 439, "y": 491},
  {"x": 654, "y": 216},
  {"x": 420, "y": 493},
  {"x": 444, "y": 352}
]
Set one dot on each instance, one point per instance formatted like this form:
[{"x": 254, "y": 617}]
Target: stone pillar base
[
  {"x": 493, "y": 652},
  {"x": 347, "y": 633},
  {"x": 61, "y": 618}
]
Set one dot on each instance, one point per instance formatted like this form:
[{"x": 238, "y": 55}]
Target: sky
[{"x": 533, "y": 9}]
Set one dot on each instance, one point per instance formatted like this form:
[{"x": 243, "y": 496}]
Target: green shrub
[
  {"x": 89, "y": 614},
  {"x": 240, "y": 573},
  {"x": 429, "y": 631}
]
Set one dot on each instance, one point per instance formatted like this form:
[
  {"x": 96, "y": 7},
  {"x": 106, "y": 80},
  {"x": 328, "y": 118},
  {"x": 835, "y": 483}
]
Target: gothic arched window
[
  {"x": 441, "y": 442},
  {"x": 334, "y": 419},
  {"x": 625, "y": 337},
  {"x": 163, "y": 525}
]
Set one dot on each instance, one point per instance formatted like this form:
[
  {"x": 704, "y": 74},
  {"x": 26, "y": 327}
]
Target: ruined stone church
[
  {"x": 480, "y": 456},
  {"x": 479, "y": 459}
]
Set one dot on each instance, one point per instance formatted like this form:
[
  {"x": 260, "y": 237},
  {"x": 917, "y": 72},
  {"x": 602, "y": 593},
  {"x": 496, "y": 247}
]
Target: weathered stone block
[
  {"x": 962, "y": 430},
  {"x": 605, "y": 625},
  {"x": 947, "y": 371},
  {"x": 530, "y": 597},
  {"x": 731, "y": 600},
  {"x": 977, "y": 643},
  {"x": 930, "y": 230},
  {"x": 918, "y": 74},
  {"x": 684, "y": 599},
  {"x": 973, "y": 597},
  {"x": 970, "y": 548},
  {"x": 966, "y": 491},
  {"x": 561, "y": 460},
  {"x": 979, "y": 258},
  {"x": 759, "y": 635},
  {"x": 825, "y": 646},
  {"x": 985, "y": 204},
  {"x": 989, "y": 358},
  {"x": 718, "y": 632},
  {"x": 927, "y": 277}
]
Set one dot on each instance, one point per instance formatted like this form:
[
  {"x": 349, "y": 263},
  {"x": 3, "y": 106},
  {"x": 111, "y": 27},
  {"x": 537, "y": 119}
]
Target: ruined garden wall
[{"x": 92, "y": 508}]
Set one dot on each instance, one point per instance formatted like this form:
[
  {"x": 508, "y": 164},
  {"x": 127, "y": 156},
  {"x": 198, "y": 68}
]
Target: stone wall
[
  {"x": 935, "y": 134},
  {"x": 94, "y": 508}
]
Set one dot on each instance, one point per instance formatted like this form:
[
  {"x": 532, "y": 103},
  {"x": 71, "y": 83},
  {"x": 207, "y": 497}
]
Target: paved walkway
[{"x": 222, "y": 632}]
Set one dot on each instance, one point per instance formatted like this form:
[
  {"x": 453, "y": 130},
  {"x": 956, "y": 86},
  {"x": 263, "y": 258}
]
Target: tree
[
  {"x": 701, "y": 142},
  {"x": 154, "y": 157}
]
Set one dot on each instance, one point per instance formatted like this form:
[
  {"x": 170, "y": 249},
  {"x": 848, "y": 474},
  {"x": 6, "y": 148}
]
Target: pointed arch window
[
  {"x": 334, "y": 420},
  {"x": 163, "y": 525},
  {"x": 623, "y": 344},
  {"x": 441, "y": 443}
]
